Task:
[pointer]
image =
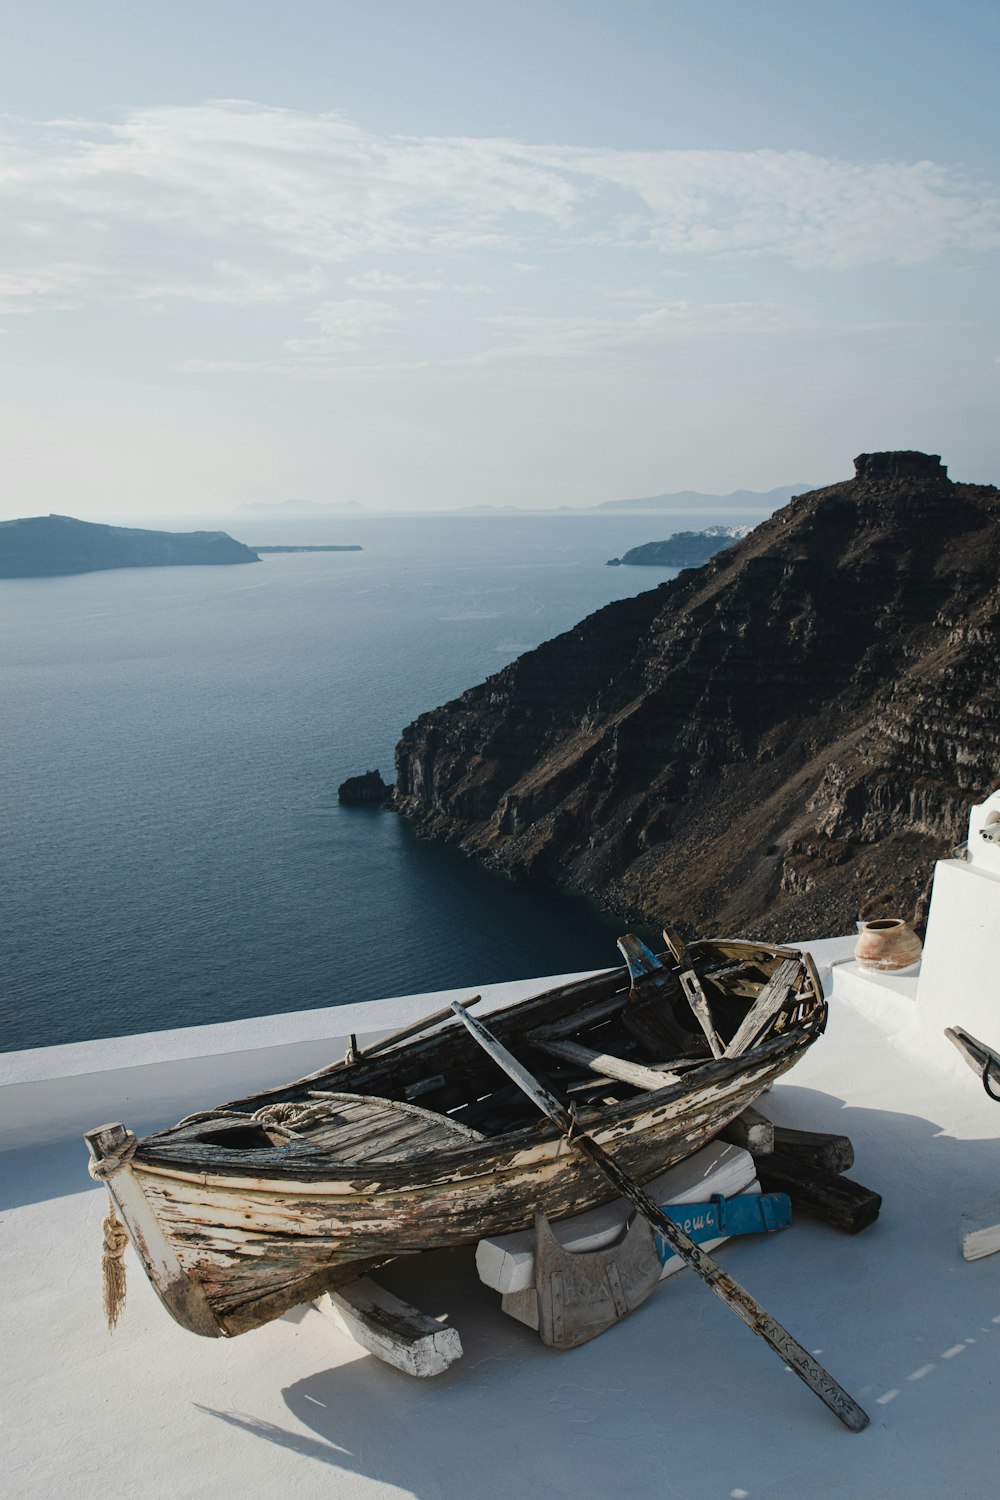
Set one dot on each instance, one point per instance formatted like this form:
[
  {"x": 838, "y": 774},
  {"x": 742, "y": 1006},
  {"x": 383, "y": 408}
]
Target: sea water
[{"x": 172, "y": 851}]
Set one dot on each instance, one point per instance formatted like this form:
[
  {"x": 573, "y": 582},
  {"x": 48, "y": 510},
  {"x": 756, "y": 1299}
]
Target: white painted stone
[
  {"x": 892, "y": 997},
  {"x": 983, "y": 848},
  {"x": 979, "y": 1228}
]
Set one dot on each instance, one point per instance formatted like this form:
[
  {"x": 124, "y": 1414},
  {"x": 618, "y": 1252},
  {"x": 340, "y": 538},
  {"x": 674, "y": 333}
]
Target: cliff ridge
[{"x": 778, "y": 742}]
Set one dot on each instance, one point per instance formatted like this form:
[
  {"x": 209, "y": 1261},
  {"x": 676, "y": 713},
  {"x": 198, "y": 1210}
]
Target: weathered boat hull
[
  {"x": 258, "y": 1245},
  {"x": 230, "y": 1241}
]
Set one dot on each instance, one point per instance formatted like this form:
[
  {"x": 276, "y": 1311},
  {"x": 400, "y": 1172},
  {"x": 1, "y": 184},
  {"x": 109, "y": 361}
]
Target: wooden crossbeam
[
  {"x": 608, "y": 1066},
  {"x": 589, "y": 1016},
  {"x": 766, "y": 1007}
]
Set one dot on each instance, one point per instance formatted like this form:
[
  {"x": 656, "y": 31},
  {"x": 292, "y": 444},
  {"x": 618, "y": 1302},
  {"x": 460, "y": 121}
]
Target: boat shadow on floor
[
  {"x": 37, "y": 1174},
  {"x": 616, "y": 1415}
]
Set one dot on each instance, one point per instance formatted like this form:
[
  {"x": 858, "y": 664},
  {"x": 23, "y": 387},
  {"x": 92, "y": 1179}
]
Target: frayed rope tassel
[{"x": 113, "y": 1268}]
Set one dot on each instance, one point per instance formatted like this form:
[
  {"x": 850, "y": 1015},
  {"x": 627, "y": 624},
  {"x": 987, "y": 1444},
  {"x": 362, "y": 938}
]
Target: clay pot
[{"x": 887, "y": 943}]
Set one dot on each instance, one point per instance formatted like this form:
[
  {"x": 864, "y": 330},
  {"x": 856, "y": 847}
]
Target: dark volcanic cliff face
[{"x": 778, "y": 742}]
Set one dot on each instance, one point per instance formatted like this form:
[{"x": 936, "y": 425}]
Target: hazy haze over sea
[{"x": 172, "y": 740}]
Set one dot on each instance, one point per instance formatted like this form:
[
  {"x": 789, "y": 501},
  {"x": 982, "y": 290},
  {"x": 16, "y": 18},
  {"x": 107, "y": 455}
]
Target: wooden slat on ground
[{"x": 391, "y": 1329}]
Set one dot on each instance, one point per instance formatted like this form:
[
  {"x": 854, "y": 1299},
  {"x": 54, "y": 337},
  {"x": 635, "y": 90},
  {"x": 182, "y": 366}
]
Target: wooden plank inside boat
[{"x": 361, "y": 1128}]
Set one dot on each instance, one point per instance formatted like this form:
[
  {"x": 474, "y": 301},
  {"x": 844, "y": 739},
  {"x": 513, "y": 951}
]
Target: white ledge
[{"x": 146, "y": 1081}]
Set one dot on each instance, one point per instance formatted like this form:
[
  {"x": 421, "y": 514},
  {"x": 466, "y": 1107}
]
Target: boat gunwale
[
  {"x": 606, "y": 983},
  {"x": 312, "y": 1167}
]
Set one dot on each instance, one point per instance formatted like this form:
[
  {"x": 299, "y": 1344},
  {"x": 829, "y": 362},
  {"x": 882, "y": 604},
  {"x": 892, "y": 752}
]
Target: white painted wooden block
[
  {"x": 391, "y": 1329},
  {"x": 506, "y": 1262},
  {"x": 980, "y": 1228}
]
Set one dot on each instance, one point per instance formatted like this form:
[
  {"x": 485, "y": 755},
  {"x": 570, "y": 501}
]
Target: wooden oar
[
  {"x": 355, "y": 1053},
  {"x": 754, "y": 1316}
]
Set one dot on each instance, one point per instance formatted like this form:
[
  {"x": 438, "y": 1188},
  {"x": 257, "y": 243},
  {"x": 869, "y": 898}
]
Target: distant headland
[
  {"x": 54, "y": 546},
  {"x": 685, "y": 549}
]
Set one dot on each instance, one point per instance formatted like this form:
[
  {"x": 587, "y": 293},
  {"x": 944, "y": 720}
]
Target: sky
[{"x": 425, "y": 255}]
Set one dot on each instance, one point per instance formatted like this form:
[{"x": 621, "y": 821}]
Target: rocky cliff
[
  {"x": 778, "y": 742},
  {"x": 47, "y": 546}
]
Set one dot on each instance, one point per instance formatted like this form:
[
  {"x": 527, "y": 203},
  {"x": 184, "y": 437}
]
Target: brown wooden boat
[{"x": 248, "y": 1209}]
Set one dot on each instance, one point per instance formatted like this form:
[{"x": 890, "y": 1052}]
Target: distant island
[
  {"x": 54, "y": 546},
  {"x": 289, "y": 510},
  {"x": 763, "y": 500},
  {"x": 685, "y": 549},
  {"x": 353, "y": 547}
]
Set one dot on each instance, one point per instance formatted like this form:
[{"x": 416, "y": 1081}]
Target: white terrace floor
[{"x": 678, "y": 1401}]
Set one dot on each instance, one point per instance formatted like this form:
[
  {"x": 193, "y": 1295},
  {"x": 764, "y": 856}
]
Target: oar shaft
[
  {"x": 414, "y": 1029},
  {"x": 757, "y": 1319}
]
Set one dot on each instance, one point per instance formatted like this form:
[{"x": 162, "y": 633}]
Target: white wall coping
[
  {"x": 50, "y": 1093},
  {"x": 149, "y": 1080}
]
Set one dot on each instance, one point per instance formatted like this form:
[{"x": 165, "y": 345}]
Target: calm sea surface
[{"x": 171, "y": 741}]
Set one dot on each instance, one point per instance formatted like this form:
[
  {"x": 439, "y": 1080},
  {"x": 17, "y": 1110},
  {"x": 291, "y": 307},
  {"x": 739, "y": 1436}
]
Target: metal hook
[{"x": 987, "y": 1065}]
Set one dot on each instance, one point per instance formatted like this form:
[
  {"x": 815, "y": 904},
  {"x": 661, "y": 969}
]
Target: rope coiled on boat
[
  {"x": 291, "y": 1117},
  {"x": 285, "y": 1117},
  {"x": 114, "y": 1161}
]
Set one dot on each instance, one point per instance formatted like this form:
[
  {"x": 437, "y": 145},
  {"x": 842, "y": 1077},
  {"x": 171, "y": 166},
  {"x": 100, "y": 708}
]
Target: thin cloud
[
  {"x": 816, "y": 212},
  {"x": 383, "y": 281},
  {"x": 345, "y": 327},
  {"x": 531, "y": 337},
  {"x": 525, "y": 342},
  {"x": 225, "y": 185},
  {"x": 25, "y": 289}
]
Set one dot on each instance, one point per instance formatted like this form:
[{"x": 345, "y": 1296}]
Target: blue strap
[{"x": 746, "y": 1213}]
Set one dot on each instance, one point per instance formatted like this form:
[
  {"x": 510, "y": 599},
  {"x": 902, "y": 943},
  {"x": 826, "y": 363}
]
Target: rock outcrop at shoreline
[
  {"x": 367, "y": 789},
  {"x": 777, "y": 743},
  {"x": 53, "y": 546}
]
